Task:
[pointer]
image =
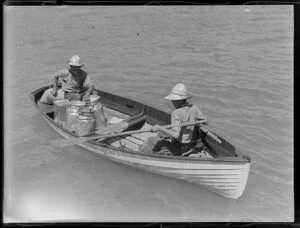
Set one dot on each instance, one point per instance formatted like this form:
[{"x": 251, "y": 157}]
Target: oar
[
  {"x": 212, "y": 135},
  {"x": 74, "y": 141},
  {"x": 113, "y": 128}
]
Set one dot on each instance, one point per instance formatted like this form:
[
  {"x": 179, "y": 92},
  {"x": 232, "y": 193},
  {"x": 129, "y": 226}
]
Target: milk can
[
  {"x": 93, "y": 100},
  {"x": 73, "y": 111},
  {"x": 84, "y": 123},
  {"x": 75, "y": 107}
]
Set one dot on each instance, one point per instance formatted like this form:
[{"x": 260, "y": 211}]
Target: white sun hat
[
  {"x": 75, "y": 61},
  {"x": 179, "y": 92}
]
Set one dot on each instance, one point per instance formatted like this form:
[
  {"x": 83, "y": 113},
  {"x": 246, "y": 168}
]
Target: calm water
[{"x": 236, "y": 60}]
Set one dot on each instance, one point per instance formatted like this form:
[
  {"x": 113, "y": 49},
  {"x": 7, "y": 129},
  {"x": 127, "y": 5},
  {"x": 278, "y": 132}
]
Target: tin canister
[
  {"x": 73, "y": 111},
  {"x": 93, "y": 100},
  {"x": 84, "y": 123},
  {"x": 75, "y": 107}
]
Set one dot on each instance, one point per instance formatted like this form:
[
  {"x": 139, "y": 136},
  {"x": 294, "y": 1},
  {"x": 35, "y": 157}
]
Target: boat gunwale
[{"x": 240, "y": 158}]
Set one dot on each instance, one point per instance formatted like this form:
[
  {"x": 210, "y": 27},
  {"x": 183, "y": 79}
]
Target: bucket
[{"x": 60, "y": 111}]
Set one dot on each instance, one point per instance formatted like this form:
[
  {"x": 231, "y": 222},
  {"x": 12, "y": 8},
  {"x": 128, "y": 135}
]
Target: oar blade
[
  {"x": 213, "y": 136},
  {"x": 210, "y": 134}
]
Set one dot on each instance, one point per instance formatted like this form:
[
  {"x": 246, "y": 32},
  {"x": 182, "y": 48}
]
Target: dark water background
[{"x": 236, "y": 60}]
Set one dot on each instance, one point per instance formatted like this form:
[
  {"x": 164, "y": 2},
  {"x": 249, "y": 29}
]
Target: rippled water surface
[{"x": 236, "y": 60}]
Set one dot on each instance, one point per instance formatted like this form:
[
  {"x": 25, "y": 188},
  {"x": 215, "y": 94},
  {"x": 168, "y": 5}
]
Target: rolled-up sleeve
[
  {"x": 61, "y": 73},
  {"x": 87, "y": 82},
  {"x": 176, "y": 120}
]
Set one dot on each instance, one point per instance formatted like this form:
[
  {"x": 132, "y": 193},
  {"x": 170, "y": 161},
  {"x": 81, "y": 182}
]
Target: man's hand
[
  {"x": 155, "y": 128},
  {"x": 54, "y": 92},
  {"x": 205, "y": 123},
  {"x": 85, "y": 97}
]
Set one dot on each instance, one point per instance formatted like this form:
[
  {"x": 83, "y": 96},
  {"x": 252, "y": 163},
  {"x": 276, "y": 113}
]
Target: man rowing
[
  {"x": 76, "y": 84},
  {"x": 177, "y": 140}
]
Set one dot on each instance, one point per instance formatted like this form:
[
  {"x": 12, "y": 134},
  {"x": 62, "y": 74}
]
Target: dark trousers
[
  {"x": 75, "y": 96},
  {"x": 167, "y": 146}
]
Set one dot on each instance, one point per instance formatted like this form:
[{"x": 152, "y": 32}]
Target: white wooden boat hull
[{"x": 227, "y": 178}]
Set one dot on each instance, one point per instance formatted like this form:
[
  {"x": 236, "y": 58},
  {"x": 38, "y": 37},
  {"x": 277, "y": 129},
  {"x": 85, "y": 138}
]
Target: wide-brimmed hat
[
  {"x": 75, "y": 61},
  {"x": 179, "y": 92}
]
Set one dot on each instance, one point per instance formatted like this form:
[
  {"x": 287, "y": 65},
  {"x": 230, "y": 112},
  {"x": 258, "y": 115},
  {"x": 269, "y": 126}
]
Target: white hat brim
[
  {"x": 175, "y": 97},
  {"x": 75, "y": 64}
]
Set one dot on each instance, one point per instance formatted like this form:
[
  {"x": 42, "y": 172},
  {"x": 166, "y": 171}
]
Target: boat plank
[
  {"x": 129, "y": 144},
  {"x": 134, "y": 140}
]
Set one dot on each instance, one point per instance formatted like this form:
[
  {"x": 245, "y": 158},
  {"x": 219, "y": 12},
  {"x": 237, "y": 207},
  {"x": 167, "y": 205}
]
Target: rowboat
[{"x": 224, "y": 173}]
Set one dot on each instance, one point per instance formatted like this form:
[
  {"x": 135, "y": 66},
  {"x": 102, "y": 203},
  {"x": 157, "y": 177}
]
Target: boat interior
[{"x": 138, "y": 116}]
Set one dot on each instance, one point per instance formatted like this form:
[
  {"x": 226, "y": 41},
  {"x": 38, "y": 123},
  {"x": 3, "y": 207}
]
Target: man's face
[
  {"x": 75, "y": 68},
  {"x": 176, "y": 103}
]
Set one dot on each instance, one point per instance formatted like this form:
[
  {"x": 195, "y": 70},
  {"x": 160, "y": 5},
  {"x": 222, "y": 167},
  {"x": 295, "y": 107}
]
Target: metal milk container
[
  {"x": 85, "y": 122},
  {"x": 73, "y": 111},
  {"x": 93, "y": 100}
]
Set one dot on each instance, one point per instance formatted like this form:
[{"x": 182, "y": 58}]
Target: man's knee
[{"x": 47, "y": 97}]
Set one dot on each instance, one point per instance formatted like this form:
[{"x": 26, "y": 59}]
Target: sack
[
  {"x": 203, "y": 154},
  {"x": 148, "y": 146},
  {"x": 48, "y": 98}
]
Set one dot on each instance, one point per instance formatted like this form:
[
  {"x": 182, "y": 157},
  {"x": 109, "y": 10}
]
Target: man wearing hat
[
  {"x": 76, "y": 83},
  {"x": 177, "y": 140}
]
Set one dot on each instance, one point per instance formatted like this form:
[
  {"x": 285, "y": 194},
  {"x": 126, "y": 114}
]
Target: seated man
[
  {"x": 76, "y": 84},
  {"x": 177, "y": 140}
]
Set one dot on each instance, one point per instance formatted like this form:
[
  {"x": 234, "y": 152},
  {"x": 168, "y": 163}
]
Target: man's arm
[
  {"x": 57, "y": 75},
  {"x": 90, "y": 90},
  {"x": 173, "y": 132},
  {"x": 88, "y": 83}
]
